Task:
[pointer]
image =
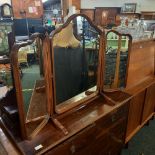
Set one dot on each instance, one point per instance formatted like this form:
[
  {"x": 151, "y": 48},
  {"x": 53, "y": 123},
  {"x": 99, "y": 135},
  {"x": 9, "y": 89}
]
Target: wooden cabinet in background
[
  {"x": 88, "y": 12},
  {"x": 148, "y": 15},
  {"x": 27, "y": 8},
  {"x": 106, "y": 15}
]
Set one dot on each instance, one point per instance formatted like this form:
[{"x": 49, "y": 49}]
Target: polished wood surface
[
  {"x": 89, "y": 12},
  {"x": 77, "y": 4},
  {"x": 149, "y": 104},
  {"x": 135, "y": 113},
  {"x": 140, "y": 84},
  {"x": 9, "y": 148},
  {"x": 141, "y": 65},
  {"x": 27, "y": 9},
  {"x": 97, "y": 115},
  {"x": 106, "y": 15}
]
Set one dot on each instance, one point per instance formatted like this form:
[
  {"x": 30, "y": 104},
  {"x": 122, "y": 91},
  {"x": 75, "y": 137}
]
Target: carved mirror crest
[
  {"x": 75, "y": 56},
  {"x": 116, "y": 59},
  {"x": 28, "y": 70}
]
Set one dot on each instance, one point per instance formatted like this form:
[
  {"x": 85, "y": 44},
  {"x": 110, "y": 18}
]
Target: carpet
[{"x": 143, "y": 142}]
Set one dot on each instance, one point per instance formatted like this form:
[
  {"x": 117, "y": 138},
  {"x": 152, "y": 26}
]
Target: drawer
[
  {"x": 94, "y": 140},
  {"x": 113, "y": 117},
  {"x": 76, "y": 144}
]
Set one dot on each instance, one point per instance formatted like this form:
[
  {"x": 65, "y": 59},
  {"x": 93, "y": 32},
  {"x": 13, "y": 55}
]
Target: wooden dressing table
[{"x": 98, "y": 122}]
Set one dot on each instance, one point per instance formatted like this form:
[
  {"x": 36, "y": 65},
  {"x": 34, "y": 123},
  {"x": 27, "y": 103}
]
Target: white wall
[
  {"x": 142, "y": 5},
  {"x": 5, "y": 1}
]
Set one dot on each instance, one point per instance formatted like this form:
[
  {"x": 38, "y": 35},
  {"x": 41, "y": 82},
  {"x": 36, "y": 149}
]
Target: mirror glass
[
  {"x": 30, "y": 62},
  {"x": 6, "y": 83},
  {"x": 5, "y": 28},
  {"x": 116, "y": 58},
  {"x": 75, "y": 54}
]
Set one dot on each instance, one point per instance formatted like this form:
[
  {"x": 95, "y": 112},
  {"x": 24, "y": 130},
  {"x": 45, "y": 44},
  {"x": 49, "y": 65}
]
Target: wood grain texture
[
  {"x": 149, "y": 104},
  {"x": 77, "y": 4},
  {"x": 135, "y": 112},
  {"x": 89, "y": 12},
  {"x": 91, "y": 122},
  {"x": 141, "y": 62},
  {"x": 23, "y": 5},
  {"x": 110, "y": 17}
]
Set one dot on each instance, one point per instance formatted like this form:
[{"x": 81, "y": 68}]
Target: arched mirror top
[
  {"x": 75, "y": 61},
  {"x": 71, "y": 18}
]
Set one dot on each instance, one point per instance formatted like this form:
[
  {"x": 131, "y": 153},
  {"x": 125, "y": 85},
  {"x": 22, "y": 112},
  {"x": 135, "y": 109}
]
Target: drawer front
[
  {"x": 76, "y": 144},
  {"x": 111, "y": 141},
  {"x": 94, "y": 140},
  {"x": 113, "y": 117}
]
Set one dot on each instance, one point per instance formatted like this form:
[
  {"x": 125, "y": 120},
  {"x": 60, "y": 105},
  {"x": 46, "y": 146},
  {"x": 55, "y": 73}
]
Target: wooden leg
[{"x": 59, "y": 125}]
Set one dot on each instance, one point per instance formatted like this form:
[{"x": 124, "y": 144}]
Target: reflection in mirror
[
  {"x": 32, "y": 80},
  {"x": 75, "y": 53},
  {"x": 116, "y": 59}
]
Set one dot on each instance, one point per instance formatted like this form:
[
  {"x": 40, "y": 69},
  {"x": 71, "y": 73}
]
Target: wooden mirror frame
[
  {"x": 117, "y": 59},
  {"x": 18, "y": 87},
  {"x": 75, "y": 105}
]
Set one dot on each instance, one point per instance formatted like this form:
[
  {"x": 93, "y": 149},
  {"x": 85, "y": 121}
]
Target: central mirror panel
[
  {"x": 76, "y": 56},
  {"x": 116, "y": 59},
  {"x": 30, "y": 62}
]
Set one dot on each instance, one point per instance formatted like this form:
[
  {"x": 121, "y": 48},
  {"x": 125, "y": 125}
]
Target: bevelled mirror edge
[
  {"x": 18, "y": 85},
  {"x": 120, "y": 36},
  {"x": 64, "y": 107}
]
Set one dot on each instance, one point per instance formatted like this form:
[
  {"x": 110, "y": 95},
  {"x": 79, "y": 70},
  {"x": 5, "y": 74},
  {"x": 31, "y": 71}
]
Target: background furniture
[
  {"x": 89, "y": 12},
  {"x": 148, "y": 15},
  {"x": 141, "y": 84},
  {"x": 105, "y": 15}
]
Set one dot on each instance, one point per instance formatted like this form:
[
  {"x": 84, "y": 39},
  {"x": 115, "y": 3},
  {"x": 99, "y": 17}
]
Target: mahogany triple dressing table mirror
[{"x": 67, "y": 92}]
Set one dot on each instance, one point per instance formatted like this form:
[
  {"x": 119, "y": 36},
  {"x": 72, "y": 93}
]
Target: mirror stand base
[
  {"x": 39, "y": 127},
  {"x": 59, "y": 125},
  {"x": 43, "y": 124}
]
